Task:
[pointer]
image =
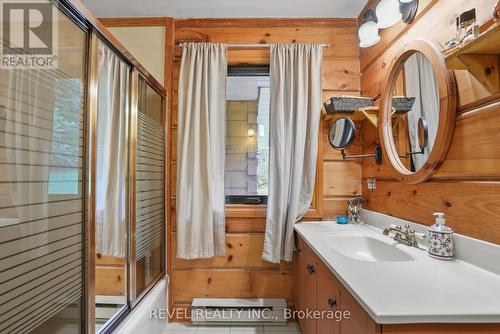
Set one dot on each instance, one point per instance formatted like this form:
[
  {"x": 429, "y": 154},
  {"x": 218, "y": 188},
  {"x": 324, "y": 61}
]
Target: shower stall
[{"x": 82, "y": 179}]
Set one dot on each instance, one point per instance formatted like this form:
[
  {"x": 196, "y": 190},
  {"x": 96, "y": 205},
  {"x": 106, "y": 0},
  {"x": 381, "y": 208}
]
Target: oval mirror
[
  {"x": 415, "y": 100},
  {"x": 418, "y": 115},
  {"x": 342, "y": 133}
]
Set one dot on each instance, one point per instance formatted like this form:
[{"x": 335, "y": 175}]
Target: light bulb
[
  {"x": 388, "y": 13},
  {"x": 368, "y": 34}
]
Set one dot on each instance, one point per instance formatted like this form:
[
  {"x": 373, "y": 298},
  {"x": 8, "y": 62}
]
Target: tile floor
[{"x": 291, "y": 328}]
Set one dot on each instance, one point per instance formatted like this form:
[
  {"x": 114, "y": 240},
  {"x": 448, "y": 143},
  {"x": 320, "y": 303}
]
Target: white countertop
[{"x": 424, "y": 290}]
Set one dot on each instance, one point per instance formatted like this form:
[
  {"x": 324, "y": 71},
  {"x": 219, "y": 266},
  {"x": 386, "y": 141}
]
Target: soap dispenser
[{"x": 441, "y": 239}]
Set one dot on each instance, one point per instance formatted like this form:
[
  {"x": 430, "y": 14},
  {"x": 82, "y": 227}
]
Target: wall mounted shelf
[
  {"x": 369, "y": 113},
  {"x": 480, "y": 56},
  {"x": 359, "y": 108},
  {"x": 357, "y": 115}
]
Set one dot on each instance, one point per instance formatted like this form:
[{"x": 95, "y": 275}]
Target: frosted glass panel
[
  {"x": 150, "y": 197},
  {"x": 41, "y": 198}
]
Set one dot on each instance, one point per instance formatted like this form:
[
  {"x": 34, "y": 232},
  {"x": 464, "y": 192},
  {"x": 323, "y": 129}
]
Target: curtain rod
[{"x": 255, "y": 45}]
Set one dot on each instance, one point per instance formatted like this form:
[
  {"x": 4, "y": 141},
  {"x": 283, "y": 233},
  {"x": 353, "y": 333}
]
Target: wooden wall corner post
[
  {"x": 317, "y": 202},
  {"x": 168, "y": 68}
]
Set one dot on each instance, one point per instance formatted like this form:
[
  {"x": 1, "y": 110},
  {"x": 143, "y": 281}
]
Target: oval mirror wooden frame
[{"x": 447, "y": 111}]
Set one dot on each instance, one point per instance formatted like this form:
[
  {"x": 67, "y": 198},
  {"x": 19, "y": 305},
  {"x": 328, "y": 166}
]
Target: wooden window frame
[
  {"x": 259, "y": 211},
  {"x": 245, "y": 70}
]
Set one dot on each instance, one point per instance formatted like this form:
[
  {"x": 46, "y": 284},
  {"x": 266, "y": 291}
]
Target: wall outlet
[{"x": 372, "y": 183}]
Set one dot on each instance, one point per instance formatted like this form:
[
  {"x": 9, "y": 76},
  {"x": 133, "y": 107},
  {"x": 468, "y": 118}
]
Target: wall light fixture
[
  {"x": 388, "y": 13},
  {"x": 368, "y": 31}
]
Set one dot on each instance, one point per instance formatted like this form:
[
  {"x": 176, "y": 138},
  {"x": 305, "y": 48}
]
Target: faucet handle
[{"x": 358, "y": 201}]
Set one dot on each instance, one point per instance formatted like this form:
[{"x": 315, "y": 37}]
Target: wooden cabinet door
[
  {"x": 359, "y": 321},
  {"x": 309, "y": 289},
  {"x": 327, "y": 300},
  {"x": 299, "y": 277}
]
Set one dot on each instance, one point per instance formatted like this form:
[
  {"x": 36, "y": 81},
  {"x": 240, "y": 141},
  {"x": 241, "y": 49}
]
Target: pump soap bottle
[{"x": 441, "y": 239}]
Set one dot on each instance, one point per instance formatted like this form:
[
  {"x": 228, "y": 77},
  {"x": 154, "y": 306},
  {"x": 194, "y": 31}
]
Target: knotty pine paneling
[
  {"x": 110, "y": 276},
  {"x": 264, "y": 31},
  {"x": 467, "y": 186},
  {"x": 173, "y": 178},
  {"x": 173, "y": 144},
  {"x": 243, "y": 250},
  {"x": 175, "y": 105},
  {"x": 342, "y": 178},
  {"x": 110, "y": 281},
  {"x": 334, "y": 206},
  {"x": 471, "y": 207},
  {"x": 472, "y": 155},
  {"x": 341, "y": 75},
  {"x": 242, "y": 273},
  {"x": 231, "y": 283}
]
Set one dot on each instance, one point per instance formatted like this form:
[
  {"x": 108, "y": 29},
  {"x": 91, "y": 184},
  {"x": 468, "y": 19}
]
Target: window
[{"x": 247, "y": 135}]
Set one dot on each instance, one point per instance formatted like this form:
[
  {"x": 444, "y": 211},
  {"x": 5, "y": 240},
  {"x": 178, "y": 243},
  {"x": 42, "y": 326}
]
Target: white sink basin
[{"x": 363, "y": 248}]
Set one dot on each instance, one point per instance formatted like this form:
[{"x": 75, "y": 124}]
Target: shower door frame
[
  {"x": 96, "y": 32},
  {"x": 132, "y": 114},
  {"x": 135, "y": 299}
]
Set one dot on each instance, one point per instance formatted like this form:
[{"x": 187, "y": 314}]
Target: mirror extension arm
[
  {"x": 377, "y": 155},
  {"x": 408, "y": 154}
]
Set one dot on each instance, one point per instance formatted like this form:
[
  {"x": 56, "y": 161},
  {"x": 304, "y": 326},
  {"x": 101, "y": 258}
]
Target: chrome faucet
[
  {"x": 406, "y": 237},
  {"x": 353, "y": 206}
]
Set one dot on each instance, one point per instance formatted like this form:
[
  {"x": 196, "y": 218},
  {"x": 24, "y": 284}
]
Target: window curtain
[
  {"x": 421, "y": 83},
  {"x": 113, "y": 103},
  {"x": 294, "y": 124},
  {"x": 201, "y": 151}
]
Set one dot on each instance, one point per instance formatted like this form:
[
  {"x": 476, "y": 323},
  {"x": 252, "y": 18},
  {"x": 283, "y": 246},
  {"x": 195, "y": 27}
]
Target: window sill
[
  {"x": 260, "y": 211},
  {"x": 246, "y": 210}
]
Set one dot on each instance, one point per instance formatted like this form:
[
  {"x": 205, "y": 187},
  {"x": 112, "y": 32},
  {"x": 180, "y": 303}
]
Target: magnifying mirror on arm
[{"x": 341, "y": 135}]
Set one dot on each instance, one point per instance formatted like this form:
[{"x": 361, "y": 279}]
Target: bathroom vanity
[{"x": 388, "y": 287}]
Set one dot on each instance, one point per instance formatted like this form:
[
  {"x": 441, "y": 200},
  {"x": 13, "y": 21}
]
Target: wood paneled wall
[
  {"x": 242, "y": 273},
  {"x": 467, "y": 186}
]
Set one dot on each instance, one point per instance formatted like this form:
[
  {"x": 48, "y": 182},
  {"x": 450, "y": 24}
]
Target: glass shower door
[
  {"x": 150, "y": 188},
  {"x": 42, "y": 115},
  {"x": 111, "y": 210}
]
